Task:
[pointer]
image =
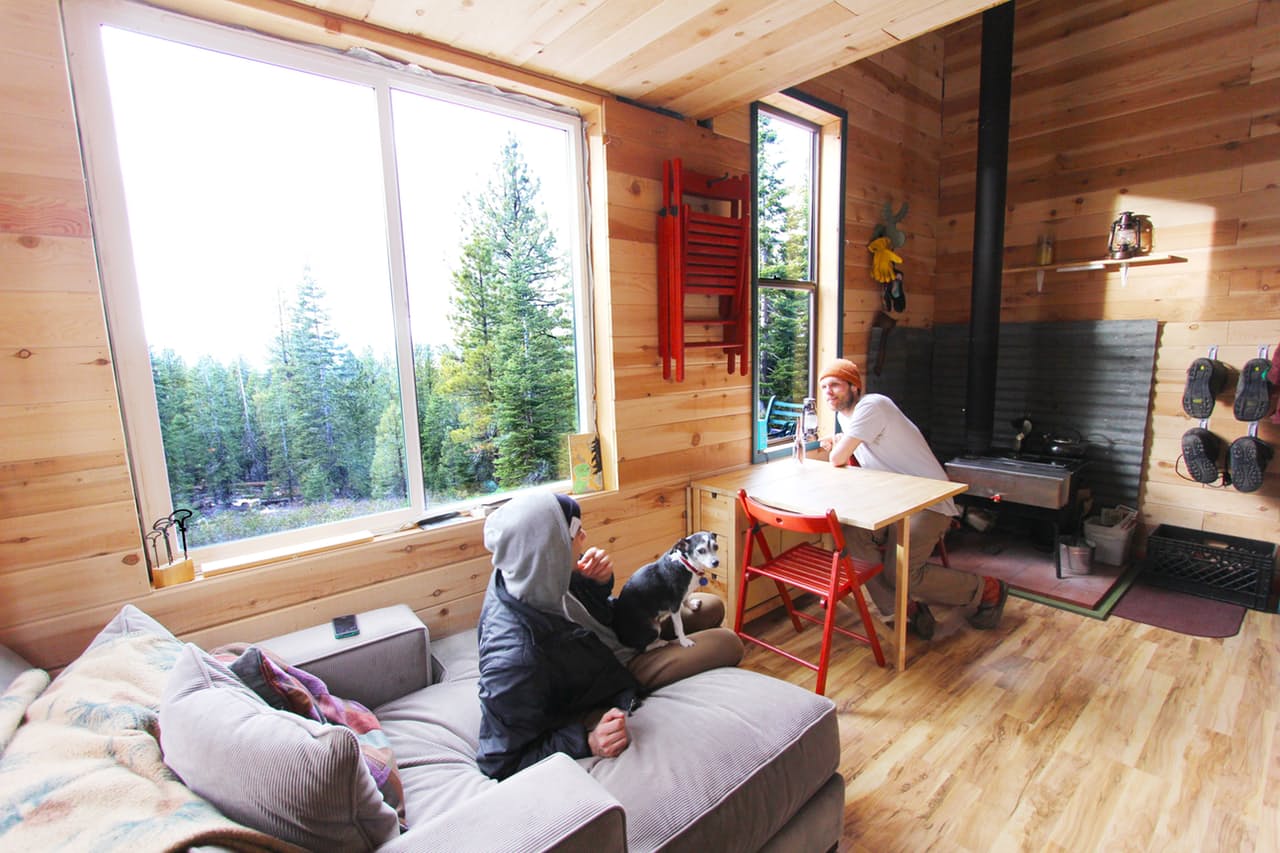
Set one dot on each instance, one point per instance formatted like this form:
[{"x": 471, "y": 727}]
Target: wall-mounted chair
[{"x": 828, "y": 574}]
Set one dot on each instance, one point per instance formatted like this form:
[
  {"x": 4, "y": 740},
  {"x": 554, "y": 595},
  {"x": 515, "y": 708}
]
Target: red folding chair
[{"x": 828, "y": 574}]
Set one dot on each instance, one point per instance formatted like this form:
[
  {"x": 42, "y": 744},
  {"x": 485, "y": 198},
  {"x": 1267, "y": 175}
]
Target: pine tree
[
  {"x": 387, "y": 470},
  {"x": 181, "y": 440},
  {"x": 783, "y": 235},
  {"x": 511, "y": 323}
]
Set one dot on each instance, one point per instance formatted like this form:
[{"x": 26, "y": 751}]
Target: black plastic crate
[{"x": 1211, "y": 565}]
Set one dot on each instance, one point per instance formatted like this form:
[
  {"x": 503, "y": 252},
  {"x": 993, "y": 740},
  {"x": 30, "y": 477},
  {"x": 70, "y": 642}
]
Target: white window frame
[
  {"x": 82, "y": 19},
  {"x": 809, "y": 285}
]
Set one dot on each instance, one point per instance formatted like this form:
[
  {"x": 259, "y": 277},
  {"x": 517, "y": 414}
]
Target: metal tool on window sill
[{"x": 171, "y": 571}]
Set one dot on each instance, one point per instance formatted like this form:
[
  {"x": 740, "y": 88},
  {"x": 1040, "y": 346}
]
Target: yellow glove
[{"x": 883, "y": 258}]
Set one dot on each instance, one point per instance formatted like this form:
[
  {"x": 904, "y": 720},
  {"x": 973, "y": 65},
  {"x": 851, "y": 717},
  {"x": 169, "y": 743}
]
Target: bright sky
[{"x": 240, "y": 176}]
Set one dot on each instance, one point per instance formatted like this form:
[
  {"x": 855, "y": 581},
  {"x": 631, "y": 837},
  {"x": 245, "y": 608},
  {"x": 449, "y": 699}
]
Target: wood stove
[{"x": 1041, "y": 488}]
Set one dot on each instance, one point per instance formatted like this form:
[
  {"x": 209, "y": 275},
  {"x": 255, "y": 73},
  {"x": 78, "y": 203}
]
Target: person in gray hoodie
[{"x": 553, "y": 676}]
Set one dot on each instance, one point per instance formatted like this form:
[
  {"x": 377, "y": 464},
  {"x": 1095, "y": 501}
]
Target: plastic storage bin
[
  {"x": 1111, "y": 533},
  {"x": 1211, "y": 565}
]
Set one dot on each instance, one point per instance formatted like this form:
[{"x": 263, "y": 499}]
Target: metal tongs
[{"x": 160, "y": 532}]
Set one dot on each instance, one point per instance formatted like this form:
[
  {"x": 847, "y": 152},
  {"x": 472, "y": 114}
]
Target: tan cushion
[
  {"x": 297, "y": 779},
  {"x": 720, "y": 761}
]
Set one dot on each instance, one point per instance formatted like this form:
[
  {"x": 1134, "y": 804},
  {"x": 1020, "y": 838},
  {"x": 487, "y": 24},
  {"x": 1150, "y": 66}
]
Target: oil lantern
[{"x": 1130, "y": 236}]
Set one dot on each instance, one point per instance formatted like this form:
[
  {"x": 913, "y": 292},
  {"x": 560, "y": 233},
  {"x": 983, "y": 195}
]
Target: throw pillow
[
  {"x": 294, "y": 778},
  {"x": 288, "y": 688},
  {"x": 130, "y": 620}
]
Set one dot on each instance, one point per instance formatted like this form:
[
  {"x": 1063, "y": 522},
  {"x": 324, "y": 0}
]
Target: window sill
[
  {"x": 288, "y": 552},
  {"x": 429, "y": 523}
]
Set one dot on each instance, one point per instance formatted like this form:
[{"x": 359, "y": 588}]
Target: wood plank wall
[
  {"x": 894, "y": 103},
  {"x": 70, "y": 552},
  {"x": 70, "y": 548},
  {"x": 1164, "y": 108}
]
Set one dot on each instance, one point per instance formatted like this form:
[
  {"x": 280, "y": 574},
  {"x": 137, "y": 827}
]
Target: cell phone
[{"x": 345, "y": 626}]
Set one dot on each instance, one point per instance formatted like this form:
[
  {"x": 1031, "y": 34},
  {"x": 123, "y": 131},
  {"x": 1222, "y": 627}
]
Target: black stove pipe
[{"x": 988, "y": 226}]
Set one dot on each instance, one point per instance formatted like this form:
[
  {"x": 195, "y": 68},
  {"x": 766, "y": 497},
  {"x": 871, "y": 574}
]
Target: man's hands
[
  {"x": 609, "y": 738},
  {"x": 596, "y": 564}
]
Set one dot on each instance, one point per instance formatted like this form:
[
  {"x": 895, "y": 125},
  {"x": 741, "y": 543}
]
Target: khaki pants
[
  {"x": 713, "y": 646},
  {"x": 927, "y": 582}
]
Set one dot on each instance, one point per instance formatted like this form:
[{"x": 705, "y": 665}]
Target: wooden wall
[
  {"x": 894, "y": 101},
  {"x": 1166, "y": 108},
  {"x": 1170, "y": 109},
  {"x": 70, "y": 552}
]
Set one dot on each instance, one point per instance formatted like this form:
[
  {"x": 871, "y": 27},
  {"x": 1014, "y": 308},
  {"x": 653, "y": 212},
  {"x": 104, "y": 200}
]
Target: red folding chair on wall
[{"x": 829, "y": 574}]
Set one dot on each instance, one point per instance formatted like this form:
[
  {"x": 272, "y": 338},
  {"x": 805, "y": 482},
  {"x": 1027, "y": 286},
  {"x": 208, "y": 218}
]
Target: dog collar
[{"x": 702, "y": 579}]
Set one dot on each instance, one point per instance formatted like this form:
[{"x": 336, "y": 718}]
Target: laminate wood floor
[{"x": 1054, "y": 732}]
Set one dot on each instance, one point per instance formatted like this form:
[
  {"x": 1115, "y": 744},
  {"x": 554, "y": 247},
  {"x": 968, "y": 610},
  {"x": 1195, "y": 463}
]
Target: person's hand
[
  {"x": 609, "y": 738},
  {"x": 596, "y": 564},
  {"x": 827, "y": 443}
]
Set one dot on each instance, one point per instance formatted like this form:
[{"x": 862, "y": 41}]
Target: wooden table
[{"x": 860, "y": 497}]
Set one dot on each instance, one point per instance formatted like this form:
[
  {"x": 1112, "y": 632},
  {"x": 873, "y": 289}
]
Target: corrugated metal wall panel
[{"x": 1088, "y": 379}]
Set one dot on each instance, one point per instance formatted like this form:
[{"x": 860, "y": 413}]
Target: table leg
[{"x": 902, "y": 558}]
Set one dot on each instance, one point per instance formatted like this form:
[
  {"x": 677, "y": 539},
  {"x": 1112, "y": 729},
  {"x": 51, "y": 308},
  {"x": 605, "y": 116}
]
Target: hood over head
[{"x": 529, "y": 539}]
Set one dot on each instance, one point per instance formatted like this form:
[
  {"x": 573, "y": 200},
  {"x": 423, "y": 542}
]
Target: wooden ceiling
[{"x": 698, "y": 58}]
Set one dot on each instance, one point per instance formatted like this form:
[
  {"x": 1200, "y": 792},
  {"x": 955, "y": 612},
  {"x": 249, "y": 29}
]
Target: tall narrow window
[
  {"x": 786, "y": 181},
  {"x": 339, "y": 294}
]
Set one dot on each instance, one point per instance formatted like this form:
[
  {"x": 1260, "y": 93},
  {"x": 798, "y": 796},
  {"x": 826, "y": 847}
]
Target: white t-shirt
[{"x": 891, "y": 442}]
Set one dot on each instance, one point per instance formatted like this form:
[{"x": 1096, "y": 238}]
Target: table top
[{"x": 861, "y": 497}]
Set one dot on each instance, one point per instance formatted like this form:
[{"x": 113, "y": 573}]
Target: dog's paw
[
  {"x": 686, "y": 642},
  {"x": 695, "y": 605}
]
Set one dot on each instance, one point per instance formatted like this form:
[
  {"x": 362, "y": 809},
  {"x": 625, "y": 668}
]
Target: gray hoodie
[
  {"x": 530, "y": 543},
  {"x": 529, "y": 540}
]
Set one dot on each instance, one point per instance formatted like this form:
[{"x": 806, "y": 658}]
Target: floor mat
[
  {"x": 1029, "y": 571},
  {"x": 1178, "y": 611}
]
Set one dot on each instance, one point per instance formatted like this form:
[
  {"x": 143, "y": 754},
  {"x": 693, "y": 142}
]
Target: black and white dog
[{"x": 658, "y": 589}]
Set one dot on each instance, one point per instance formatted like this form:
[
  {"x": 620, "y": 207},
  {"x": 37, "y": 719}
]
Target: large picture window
[{"x": 340, "y": 294}]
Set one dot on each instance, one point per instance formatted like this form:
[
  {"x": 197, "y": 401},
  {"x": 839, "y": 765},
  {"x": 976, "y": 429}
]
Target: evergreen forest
[
  {"x": 782, "y": 210},
  {"x": 315, "y": 433}
]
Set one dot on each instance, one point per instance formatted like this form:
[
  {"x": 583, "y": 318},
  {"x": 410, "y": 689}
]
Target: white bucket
[{"x": 1111, "y": 533}]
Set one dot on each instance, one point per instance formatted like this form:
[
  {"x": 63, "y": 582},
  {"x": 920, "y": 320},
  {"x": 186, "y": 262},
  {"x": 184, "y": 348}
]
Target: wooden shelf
[{"x": 1098, "y": 264}]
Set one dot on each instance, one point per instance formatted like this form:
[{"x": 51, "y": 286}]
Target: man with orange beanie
[{"x": 876, "y": 433}]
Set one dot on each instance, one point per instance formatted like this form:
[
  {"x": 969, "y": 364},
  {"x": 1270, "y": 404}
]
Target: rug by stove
[
  {"x": 1029, "y": 570},
  {"x": 1179, "y": 611}
]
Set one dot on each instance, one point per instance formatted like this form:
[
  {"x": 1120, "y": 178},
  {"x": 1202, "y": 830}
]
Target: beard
[{"x": 843, "y": 402}]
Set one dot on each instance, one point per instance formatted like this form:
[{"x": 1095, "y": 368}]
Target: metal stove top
[{"x": 1042, "y": 482}]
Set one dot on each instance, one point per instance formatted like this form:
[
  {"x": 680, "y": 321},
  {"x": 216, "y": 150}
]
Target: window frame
[
  {"x": 117, "y": 272},
  {"x": 826, "y": 250}
]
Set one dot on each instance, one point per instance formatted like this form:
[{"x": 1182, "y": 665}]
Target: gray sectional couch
[{"x": 726, "y": 760}]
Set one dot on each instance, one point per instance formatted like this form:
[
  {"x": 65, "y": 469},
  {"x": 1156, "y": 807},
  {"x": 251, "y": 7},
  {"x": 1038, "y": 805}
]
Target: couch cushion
[
  {"x": 720, "y": 760},
  {"x": 434, "y": 734},
  {"x": 294, "y": 778},
  {"x": 717, "y": 761}
]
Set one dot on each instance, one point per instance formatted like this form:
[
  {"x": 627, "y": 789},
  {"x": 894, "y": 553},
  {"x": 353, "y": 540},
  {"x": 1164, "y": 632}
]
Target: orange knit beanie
[{"x": 843, "y": 368}]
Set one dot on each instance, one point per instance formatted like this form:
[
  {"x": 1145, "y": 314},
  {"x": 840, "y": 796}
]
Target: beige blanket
[{"x": 82, "y": 769}]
